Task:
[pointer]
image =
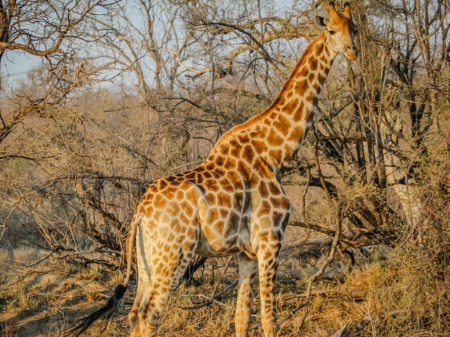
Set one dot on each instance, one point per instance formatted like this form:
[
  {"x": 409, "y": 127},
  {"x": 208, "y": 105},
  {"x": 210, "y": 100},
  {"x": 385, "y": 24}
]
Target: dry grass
[
  {"x": 397, "y": 295},
  {"x": 65, "y": 297}
]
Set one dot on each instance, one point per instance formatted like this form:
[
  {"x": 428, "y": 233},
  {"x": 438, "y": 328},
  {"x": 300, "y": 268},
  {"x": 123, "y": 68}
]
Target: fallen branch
[
  {"x": 337, "y": 235},
  {"x": 335, "y": 242},
  {"x": 215, "y": 296},
  {"x": 191, "y": 269},
  {"x": 361, "y": 240},
  {"x": 342, "y": 332}
]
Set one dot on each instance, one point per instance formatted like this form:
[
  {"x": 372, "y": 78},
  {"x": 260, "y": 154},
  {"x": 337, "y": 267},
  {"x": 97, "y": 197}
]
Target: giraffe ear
[{"x": 320, "y": 21}]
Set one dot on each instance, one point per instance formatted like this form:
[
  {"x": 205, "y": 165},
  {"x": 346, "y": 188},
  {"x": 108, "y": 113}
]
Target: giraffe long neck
[
  {"x": 290, "y": 115},
  {"x": 307, "y": 79},
  {"x": 276, "y": 134}
]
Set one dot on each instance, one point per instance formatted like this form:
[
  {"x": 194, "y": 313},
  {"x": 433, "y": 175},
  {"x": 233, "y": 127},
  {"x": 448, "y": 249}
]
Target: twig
[
  {"x": 191, "y": 269},
  {"x": 186, "y": 164},
  {"x": 215, "y": 296},
  {"x": 330, "y": 258},
  {"x": 319, "y": 171},
  {"x": 44, "y": 258},
  {"x": 107, "y": 251},
  {"x": 320, "y": 229},
  {"x": 8, "y": 217},
  {"x": 306, "y": 191},
  {"x": 313, "y": 278}
]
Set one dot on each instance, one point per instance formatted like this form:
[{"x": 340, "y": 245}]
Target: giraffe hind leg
[
  {"x": 247, "y": 272},
  {"x": 142, "y": 288},
  {"x": 150, "y": 311},
  {"x": 164, "y": 280}
]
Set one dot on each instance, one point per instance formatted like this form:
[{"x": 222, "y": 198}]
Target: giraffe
[{"x": 232, "y": 203}]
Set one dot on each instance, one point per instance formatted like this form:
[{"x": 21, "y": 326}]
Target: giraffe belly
[
  {"x": 224, "y": 237},
  {"x": 205, "y": 248}
]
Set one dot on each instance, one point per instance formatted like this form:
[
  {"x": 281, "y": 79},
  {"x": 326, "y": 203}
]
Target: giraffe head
[{"x": 341, "y": 31}]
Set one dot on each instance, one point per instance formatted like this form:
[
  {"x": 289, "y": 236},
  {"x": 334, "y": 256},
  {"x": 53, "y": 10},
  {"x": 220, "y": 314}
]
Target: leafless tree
[
  {"x": 189, "y": 71},
  {"x": 54, "y": 31}
]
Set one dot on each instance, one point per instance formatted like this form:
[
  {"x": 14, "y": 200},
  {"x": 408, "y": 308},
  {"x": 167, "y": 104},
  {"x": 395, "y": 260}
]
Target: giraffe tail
[{"x": 111, "y": 305}]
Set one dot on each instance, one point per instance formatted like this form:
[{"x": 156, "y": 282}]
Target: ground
[{"x": 43, "y": 299}]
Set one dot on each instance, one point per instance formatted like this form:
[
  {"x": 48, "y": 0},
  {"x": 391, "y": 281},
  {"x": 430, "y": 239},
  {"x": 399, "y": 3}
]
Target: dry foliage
[{"x": 129, "y": 92}]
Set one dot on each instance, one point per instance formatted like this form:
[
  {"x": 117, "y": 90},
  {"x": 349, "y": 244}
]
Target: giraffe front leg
[
  {"x": 267, "y": 264},
  {"x": 247, "y": 272}
]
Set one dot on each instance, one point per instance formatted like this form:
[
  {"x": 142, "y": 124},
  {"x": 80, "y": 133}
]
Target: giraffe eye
[{"x": 332, "y": 32}]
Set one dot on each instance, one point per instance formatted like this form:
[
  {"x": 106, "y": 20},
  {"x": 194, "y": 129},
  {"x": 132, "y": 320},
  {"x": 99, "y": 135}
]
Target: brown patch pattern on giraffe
[{"x": 233, "y": 202}]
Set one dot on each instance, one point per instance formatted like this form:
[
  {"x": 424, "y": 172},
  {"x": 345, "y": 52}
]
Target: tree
[
  {"x": 56, "y": 31},
  {"x": 75, "y": 157}
]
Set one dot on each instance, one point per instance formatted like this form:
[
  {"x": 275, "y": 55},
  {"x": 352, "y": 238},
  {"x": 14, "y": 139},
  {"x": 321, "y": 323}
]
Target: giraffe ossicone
[{"x": 232, "y": 203}]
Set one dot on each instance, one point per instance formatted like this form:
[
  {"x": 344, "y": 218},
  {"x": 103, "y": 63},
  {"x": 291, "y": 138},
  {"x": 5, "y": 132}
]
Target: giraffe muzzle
[{"x": 351, "y": 53}]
